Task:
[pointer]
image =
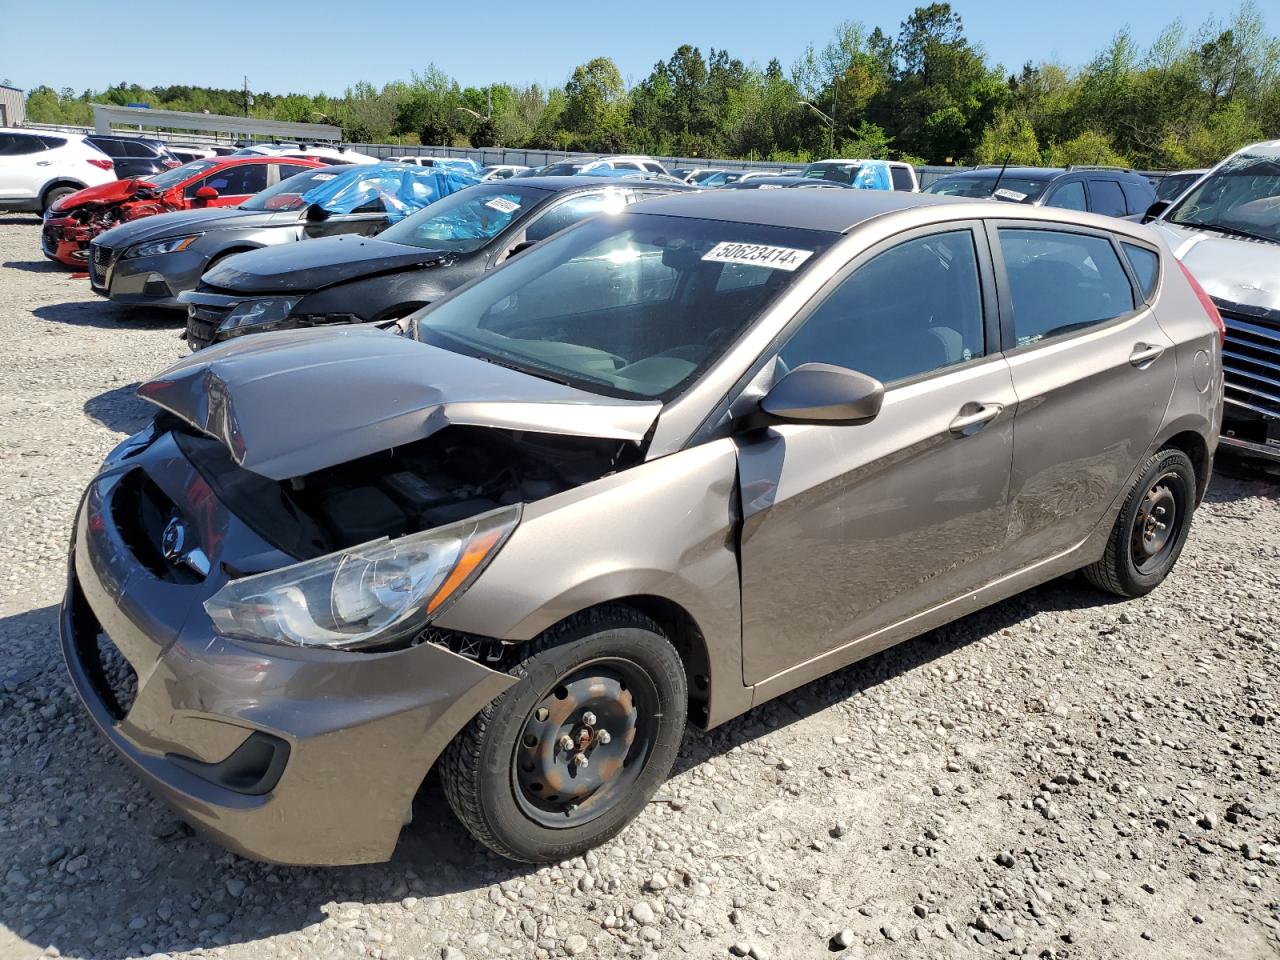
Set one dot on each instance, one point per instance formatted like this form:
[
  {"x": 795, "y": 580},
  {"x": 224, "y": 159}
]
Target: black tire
[
  {"x": 1151, "y": 529},
  {"x": 54, "y": 194},
  {"x": 485, "y": 770}
]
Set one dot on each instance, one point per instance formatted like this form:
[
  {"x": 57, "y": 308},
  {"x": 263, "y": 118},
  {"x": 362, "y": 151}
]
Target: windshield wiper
[{"x": 1229, "y": 231}]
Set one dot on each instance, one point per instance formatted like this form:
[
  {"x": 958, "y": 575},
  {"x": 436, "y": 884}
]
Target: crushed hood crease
[{"x": 290, "y": 403}]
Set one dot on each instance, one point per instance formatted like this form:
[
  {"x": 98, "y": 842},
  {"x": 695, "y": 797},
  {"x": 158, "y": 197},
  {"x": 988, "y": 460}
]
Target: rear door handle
[
  {"x": 973, "y": 417},
  {"x": 1144, "y": 354},
  {"x": 43, "y": 163}
]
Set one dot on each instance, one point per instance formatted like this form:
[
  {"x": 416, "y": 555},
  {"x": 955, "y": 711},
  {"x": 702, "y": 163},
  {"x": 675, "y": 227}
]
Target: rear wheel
[
  {"x": 54, "y": 194},
  {"x": 570, "y": 754},
  {"x": 1151, "y": 529}
]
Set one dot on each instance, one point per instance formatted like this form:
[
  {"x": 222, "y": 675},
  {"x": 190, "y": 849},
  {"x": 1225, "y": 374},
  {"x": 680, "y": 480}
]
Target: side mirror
[
  {"x": 824, "y": 394},
  {"x": 1153, "y": 211},
  {"x": 206, "y": 193},
  {"x": 520, "y": 247}
]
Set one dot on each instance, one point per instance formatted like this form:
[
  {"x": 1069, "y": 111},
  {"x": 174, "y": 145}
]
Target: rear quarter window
[
  {"x": 1146, "y": 267},
  {"x": 901, "y": 178}
]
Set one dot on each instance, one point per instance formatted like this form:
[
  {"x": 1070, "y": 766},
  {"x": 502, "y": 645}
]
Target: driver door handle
[
  {"x": 973, "y": 417},
  {"x": 1144, "y": 354}
]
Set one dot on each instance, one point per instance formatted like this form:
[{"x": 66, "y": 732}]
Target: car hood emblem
[{"x": 177, "y": 549}]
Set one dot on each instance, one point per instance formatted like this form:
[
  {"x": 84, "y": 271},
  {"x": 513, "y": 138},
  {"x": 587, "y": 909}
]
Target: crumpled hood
[
  {"x": 113, "y": 191},
  {"x": 182, "y": 222},
  {"x": 289, "y": 403},
  {"x": 315, "y": 264},
  {"x": 1242, "y": 273}
]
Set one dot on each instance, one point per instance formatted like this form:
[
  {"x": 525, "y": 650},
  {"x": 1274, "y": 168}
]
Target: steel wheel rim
[
  {"x": 606, "y": 713},
  {"x": 1156, "y": 524}
]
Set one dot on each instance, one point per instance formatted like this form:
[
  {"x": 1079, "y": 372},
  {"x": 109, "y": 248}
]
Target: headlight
[
  {"x": 256, "y": 313},
  {"x": 369, "y": 594},
  {"x": 157, "y": 247}
]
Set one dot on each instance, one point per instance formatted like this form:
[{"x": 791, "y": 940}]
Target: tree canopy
[{"x": 925, "y": 92}]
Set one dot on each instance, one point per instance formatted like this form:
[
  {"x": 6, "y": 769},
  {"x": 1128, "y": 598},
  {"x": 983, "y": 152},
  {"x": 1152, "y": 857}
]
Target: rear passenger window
[
  {"x": 916, "y": 307},
  {"x": 901, "y": 178},
  {"x": 19, "y": 144},
  {"x": 1062, "y": 282},
  {"x": 1107, "y": 198},
  {"x": 1069, "y": 196},
  {"x": 1146, "y": 267},
  {"x": 53, "y": 142}
]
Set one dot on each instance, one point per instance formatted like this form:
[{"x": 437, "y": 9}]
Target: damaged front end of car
[
  {"x": 252, "y": 591},
  {"x": 72, "y": 222}
]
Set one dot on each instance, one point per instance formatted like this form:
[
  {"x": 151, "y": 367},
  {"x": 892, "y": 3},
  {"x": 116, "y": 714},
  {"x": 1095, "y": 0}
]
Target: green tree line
[{"x": 925, "y": 93}]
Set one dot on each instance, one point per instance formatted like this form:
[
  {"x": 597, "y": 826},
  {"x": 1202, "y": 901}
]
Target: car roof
[
  {"x": 1047, "y": 173},
  {"x": 560, "y": 184},
  {"x": 835, "y": 211}
]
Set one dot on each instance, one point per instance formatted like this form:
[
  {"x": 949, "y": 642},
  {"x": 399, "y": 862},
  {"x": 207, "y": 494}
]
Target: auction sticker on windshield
[
  {"x": 757, "y": 255},
  {"x": 502, "y": 205},
  {"x": 1009, "y": 194}
]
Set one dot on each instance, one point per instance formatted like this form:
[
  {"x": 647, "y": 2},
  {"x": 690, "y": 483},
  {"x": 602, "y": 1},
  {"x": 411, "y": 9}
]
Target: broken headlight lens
[
  {"x": 366, "y": 595},
  {"x": 257, "y": 313},
  {"x": 157, "y": 247}
]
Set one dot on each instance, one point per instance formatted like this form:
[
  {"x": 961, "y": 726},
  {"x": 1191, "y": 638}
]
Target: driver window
[
  {"x": 916, "y": 307},
  {"x": 234, "y": 181}
]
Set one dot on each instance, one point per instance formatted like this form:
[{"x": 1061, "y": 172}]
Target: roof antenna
[{"x": 1005, "y": 166}]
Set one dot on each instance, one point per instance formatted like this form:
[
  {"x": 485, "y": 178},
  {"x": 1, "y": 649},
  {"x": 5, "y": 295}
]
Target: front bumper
[
  {"x": 65, "y": 240},
  {"x": 356, "y": 732},
  {"x": 145, "y": 281}
]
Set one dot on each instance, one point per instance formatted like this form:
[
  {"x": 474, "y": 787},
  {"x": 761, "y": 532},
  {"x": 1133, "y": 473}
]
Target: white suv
[{"x": 37, "y": 168}]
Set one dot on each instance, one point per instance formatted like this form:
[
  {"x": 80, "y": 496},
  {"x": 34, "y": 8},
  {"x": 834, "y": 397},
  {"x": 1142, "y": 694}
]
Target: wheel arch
[
  {"x": 57, "y": 182},
  {"x": 685, "y": 635},
  {"x": 1194, "y": 446}
]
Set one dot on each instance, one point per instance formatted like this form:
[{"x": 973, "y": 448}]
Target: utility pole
[{"x": 248, "y": 100}]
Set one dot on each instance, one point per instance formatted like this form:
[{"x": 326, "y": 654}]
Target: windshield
[
  {"x": 171, "y": 178},
  {"x": 1020, "y": 189},
  {"x": 287, "y": 194},
  {"x": 465, "y": 221},
  {"x": 630, "y": 304},
  {"x": 1242, "y": 196}
]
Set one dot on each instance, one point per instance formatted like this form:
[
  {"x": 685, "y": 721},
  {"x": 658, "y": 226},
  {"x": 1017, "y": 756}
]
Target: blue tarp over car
[
  {"x": 873, "y": 175},
  {"x": 401, "y": 188}
]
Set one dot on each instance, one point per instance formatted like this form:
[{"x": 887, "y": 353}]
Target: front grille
[
  {"x": 1251, "y": 363},
  {"x": 99, "y": 264},
  {"x": 113, "y": 678},
  {"x": 141, "y": 511},
  {"x": 202, "y": 324}
]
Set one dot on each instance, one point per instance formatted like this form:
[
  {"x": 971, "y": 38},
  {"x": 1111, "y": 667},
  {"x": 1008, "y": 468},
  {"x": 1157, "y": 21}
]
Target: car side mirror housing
[
  {"x": 206, "y": 193},
  {"x": 1153, "y": 211},
  {"x": 822, "y": 393}
]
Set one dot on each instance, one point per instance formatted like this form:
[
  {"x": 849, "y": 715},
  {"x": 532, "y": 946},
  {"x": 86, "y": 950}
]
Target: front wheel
[
  {"x": 569, "y": 755},
  {"x": 1151, "y": 529}
]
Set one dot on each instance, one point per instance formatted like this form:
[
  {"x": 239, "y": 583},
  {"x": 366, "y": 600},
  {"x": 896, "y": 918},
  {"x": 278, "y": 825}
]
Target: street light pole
[{"x": 831, "y": 124}]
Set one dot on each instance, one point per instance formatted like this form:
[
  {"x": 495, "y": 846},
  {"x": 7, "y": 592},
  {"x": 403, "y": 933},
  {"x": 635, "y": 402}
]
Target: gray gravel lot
[{"x": 1059, "y": 776}]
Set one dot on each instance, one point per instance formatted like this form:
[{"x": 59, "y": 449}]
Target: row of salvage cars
[{"x": 606, "y": 455}]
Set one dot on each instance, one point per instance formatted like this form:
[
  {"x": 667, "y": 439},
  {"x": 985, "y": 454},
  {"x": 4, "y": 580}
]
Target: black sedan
[{"x": 354, "y": 279}]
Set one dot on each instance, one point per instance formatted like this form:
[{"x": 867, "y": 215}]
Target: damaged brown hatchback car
[{"x": 666, "y": 465}]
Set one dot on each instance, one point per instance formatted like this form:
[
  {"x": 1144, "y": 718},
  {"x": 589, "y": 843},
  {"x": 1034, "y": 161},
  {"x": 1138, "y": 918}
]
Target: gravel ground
[{"x": 1058, "y": 776}]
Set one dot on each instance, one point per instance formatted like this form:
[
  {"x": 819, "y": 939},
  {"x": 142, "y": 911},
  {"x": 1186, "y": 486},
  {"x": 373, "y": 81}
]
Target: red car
[{"x": 70, "y": 223}]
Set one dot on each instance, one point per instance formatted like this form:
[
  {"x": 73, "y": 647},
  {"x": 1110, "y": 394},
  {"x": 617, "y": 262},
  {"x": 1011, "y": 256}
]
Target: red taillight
[
  {"x": 1210, "y": 307},
  {"x": 103, "y": 164}
]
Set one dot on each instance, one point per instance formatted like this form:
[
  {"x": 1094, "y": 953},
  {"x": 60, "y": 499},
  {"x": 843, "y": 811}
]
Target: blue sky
[{"x": 324, "y": 45}]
